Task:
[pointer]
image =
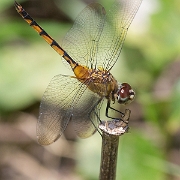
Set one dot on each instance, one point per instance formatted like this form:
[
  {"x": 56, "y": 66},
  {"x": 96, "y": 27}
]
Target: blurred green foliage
[{"x": 27, "y": 64}]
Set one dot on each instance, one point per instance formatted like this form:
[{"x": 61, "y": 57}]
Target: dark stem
[
  {"x": 111, "y": 130},
  {"x": 109, "y": 157}
]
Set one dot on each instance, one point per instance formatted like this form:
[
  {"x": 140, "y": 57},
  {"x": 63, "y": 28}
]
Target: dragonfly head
[{"x": 125, "y": 94}]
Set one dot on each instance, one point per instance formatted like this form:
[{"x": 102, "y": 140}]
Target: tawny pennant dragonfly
[{"x": 91, "y": 48}]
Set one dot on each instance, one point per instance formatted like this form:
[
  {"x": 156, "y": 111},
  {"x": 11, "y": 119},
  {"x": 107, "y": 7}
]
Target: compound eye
[{"x": 125, "y": 94}]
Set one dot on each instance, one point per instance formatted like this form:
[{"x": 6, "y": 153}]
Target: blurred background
[{"x": 150, "y": 62}]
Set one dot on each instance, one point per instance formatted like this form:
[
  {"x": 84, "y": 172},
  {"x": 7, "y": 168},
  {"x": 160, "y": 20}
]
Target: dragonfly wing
[
  {"x": 117, "y": 23},
  {"x": 66, "y": 99},
  {"x": 81, "y": 41},
  {"x": 56, "y": 107},
  {"x": 86, "y": 114},
  {"x": 96, "y": 38}
]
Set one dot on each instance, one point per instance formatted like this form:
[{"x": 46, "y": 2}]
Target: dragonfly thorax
[{"x": 101, "y": 82}]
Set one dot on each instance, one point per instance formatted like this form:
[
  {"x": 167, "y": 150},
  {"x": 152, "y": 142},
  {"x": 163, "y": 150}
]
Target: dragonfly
[{"x": 91, "y": 48}]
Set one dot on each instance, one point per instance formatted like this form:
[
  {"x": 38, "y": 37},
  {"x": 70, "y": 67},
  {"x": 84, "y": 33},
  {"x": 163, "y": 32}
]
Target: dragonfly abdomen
[{"x": 45, "y": 35}]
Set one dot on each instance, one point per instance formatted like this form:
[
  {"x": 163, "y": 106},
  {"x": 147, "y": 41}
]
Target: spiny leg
[
  {"x": 108, "y": 106},
  {"x": 97, "y": 116},
  {"x": 95, "y": 125}
]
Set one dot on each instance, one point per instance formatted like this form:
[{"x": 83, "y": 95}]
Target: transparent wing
[
  {"x": 81, "y": 42},
  {"x": 86, "y": 115},
  {"x": 65, "y": 99},
  {"x": 117, "y": 23},
  {"x": 96, "y": 39},
  {"x": 56, "y": 108}
]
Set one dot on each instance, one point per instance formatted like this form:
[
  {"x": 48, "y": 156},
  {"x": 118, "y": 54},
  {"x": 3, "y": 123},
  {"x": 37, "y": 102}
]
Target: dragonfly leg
[
  {"x": 107, "y": 112},
  {"x": 95, "y": 113}
]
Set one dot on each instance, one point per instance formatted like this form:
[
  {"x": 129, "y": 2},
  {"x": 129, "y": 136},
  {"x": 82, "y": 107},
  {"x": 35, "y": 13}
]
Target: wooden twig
[{"x": 111, "y": 130}]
